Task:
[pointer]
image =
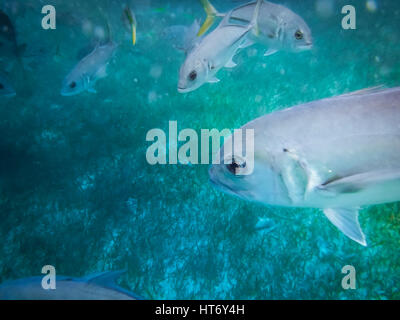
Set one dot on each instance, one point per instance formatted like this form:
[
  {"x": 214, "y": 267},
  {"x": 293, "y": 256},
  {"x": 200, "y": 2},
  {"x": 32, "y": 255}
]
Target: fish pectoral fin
[
  {"x": 214, "y": 80},
  {"x": 358, "y": 182},
  {"x": 346, "y": 220},
  {"x": 270, "y": 52},
  {"x": 107, "y": 278},
  {"x": 230, "y": 64}
]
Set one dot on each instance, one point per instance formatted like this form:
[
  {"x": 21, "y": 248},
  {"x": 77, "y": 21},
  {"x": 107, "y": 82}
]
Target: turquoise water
[{"x": 77, "y": 192}]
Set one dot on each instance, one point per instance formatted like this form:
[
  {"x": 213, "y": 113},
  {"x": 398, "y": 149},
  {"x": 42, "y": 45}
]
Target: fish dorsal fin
[
  {"x": 364, "y": 91},
  {"x": 254, "y": 20},
  {"x": 346, "y": 220},
  {"x": 107, "y": 278},
  {"x": 191, "y": 39}
]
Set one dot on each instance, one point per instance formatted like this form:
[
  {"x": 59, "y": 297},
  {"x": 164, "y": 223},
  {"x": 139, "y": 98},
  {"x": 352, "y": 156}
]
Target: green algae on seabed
[{"x": 76, "y": 191}]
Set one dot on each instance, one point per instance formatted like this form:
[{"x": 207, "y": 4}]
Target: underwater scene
[{"x": 108, "y": 176}]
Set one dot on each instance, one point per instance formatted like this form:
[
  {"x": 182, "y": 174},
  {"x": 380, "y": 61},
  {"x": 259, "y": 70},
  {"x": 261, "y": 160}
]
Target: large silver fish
[
  {"x": 337, "y": 154},
  {"x": 280, "y": 28},
  {"x": 214, "y": 52},
  {"x": 91, "y": 68},
  {"x": 96, "y": 287}
]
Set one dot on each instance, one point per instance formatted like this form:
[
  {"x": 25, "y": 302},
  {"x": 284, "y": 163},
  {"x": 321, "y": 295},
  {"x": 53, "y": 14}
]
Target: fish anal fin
[
  {"x": 346, "y": 220},
  {"x": 270, "y": 52},
  {"x": 214, "y": 80},
  {"x": 230, "y": 64},
  {"x": 246, "y": 43}
]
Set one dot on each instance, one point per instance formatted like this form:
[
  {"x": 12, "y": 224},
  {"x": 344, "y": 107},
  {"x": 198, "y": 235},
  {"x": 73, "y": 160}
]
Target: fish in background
[
  {"x": 100, "y": 286},
  {"x": 6, "y": 89},
  {"x": 90, "y": 69},
  {"x": 9, "y": 47},
  {"x": 130, "y": 22},
  {"x": 279, "y": 27},
  {"x": 337, "y": 154},
  {"x": 215, "y": 51},
  {"x": 182, "y": 38}
]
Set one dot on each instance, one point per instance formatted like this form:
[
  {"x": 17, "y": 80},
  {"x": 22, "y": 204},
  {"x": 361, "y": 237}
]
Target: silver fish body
[
  {"x": 280, "y": 28},
  {"x": 91, "y": 68},
  {"x": 98, "y": 287},
  {"x": 214, "y": 52},
  {"x": 336, "y": 154},
  {"x": 210, "y": 56}
]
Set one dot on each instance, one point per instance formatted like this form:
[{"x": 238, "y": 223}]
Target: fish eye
[
  {"x": 72, "y": 85},
  {"x": 299, "y": 35},
  {"x": 236, "y": 166},
  {"x": 193, "y": 75},
  {"x": 1, "y": 86}
]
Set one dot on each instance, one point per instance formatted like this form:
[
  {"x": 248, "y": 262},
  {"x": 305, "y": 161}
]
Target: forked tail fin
[
  {"x": 212, "y": 13},
  {"x": 132, "y": 21}
]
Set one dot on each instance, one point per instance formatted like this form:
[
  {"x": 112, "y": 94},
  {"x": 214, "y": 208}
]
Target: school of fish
[{"x": 338, "y": 154}]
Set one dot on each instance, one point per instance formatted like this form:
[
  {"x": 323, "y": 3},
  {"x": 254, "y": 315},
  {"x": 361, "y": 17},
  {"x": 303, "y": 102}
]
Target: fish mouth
[
  {"x": 67, "y": 94},
  {"x": 307, "y": 46},
  {"x": 183, "y": 90}
]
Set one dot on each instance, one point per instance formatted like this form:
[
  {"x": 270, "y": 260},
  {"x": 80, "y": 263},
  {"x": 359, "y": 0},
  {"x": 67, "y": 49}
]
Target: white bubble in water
[
  {"x": 325, "y": 8},
  {"x": 99, "y": 32},
  {"x": 152, "y": 97},
  {"x": 372, "y": 6},
  {"x": 87, "y": 27},
  {"x": 258, "y": 98},
  {"x": 156, "y": 71}
]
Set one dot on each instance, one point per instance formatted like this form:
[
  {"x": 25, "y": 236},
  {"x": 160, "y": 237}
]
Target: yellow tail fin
[
  {"x": 211, "y": 15},
  {"x": 132, "y": 20}
]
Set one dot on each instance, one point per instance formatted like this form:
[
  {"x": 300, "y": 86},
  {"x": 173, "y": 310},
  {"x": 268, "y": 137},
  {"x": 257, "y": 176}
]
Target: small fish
[
  {"x": 6, "y": 90},
  {"x": 91, "y": 68},
  {"x": 131, "y": 20},
  {"x": 95, "y": 287},
  {"x": 280, "y": 28},
  {"x": 213, "y": 52},
  {"x": 336, "y": 154},
  {"x": 182, "y": 38}
]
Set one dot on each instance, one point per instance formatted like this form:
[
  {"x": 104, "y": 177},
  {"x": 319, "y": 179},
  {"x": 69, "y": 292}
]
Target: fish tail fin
[
  {"x": 212, "y": 13},
  {"x": 254, "y": 20},
  {"x": 107, "y": 23},
  {"x": 132, "y": 20}
]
